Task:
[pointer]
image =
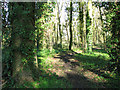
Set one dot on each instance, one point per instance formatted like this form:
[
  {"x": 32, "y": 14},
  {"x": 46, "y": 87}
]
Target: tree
[
  {"x": 89, "y": 26},
  {"x": 84, "y": 29},
  {"x": 21, "y": 19},
  {"x": 71, "y": 36},
  {"x": 81, "y": 23},
  {"x": 59, "y": 22},
  {"x": 114, "y": 45},
  {"x": 112, "y": 38}
]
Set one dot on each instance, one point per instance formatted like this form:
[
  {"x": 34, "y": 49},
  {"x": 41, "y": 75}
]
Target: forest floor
[
  {"x": 63, "y": 68},
  {"x": 82, "y": 70},
  {"x": 66, "y": 65}
]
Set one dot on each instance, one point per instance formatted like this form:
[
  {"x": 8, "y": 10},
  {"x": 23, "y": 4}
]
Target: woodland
[{"x": 60, "y": 44}]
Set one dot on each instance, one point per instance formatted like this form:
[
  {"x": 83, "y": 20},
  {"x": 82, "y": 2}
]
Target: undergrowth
[{"x": 96, "y": 62}]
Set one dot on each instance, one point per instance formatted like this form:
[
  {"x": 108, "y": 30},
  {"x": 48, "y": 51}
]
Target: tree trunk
[
  {"x": 81, "y": 23},
  {"x": 59, "y": 25},
  {"x": 102, "y": 28},
  {"x": 70, "y": 45},
  {"x": 67, "y": 33},
  {"x": 23, "y": 41},
  {"x": 90, "y": 30},
  {"x": 50, "y": 37},
  {"x": 84, "y": 29}
]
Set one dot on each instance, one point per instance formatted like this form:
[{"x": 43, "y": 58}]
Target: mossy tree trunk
[
  {"x": 90, "y": 27},
  {"x": 81, "y": 23},
  {"x": 22, "y": 40}
]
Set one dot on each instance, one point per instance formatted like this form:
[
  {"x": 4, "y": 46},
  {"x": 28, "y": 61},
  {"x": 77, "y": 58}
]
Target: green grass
[
  {"x": 47, "y": 82},
  {"x": 95, "y": 62},
  {"x": 47, "y": 79}
]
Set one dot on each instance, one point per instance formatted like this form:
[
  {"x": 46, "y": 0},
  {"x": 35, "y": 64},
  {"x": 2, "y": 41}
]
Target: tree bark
[
  {"x": 90, "y": 31},
  {"x": 59, "y": 25},
  {"x": 81, "y": 23},
  {"x": 20, "y": 41},
  {"x": 84, "y": 29},
  {"x": 70, "y": 45}
]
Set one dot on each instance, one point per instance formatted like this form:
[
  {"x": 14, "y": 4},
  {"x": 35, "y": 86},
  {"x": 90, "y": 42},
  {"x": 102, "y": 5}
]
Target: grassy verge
[
  {"x": 97, "y": 63},
  {"x": 47, "y": 79}
]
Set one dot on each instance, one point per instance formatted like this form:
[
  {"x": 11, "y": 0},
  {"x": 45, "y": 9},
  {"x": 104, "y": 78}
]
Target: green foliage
[
  {"x": 88, "y": 32},
  {"x": 20, "y": 24},
  {"x": 50, "y": 80},
  {"x": 93, "y": 60},
  {"x": 20, "y": 28},
  {"x": 47, "y": 79},
  {"x": 112, "y": 26},
  {"x": 43, "y": 15},
  {"x": 6, "y": 63},
  {"x": 46, "y": 82},
  {"x": 97, "y": 63},
  {"x": 114, "y": 41}
]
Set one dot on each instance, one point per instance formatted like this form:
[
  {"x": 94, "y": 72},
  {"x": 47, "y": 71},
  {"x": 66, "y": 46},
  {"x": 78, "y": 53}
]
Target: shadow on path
[
  {"x": 72, "y": 61},
  {"x": 84, "y": 69}
]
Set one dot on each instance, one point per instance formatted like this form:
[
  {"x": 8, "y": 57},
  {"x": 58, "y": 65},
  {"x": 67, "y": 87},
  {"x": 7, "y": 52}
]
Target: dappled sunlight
[
  {"x": 93, "y": 77},
  {"x": 70, "y": 62},
  {"x": 60, "y": 44},
  {"x": 91, "y": 67}
]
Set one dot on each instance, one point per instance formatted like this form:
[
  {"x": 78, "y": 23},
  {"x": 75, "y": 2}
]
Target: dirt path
[{"x": 65, "y": 65}]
